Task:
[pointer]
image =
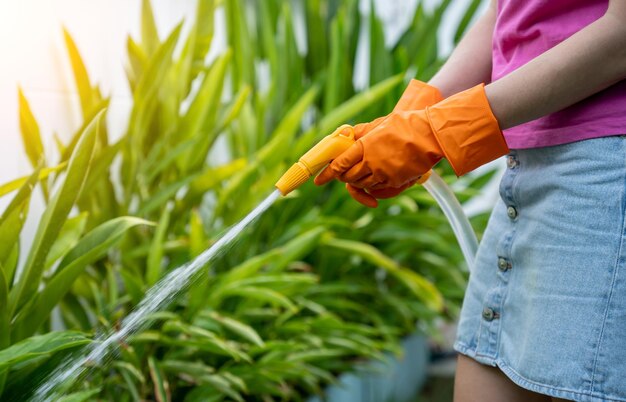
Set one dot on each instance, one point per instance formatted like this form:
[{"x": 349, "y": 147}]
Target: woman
[{"x": 544, "y": 315}]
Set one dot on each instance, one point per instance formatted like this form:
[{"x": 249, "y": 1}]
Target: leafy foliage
[{"x": 319, "y": 285}]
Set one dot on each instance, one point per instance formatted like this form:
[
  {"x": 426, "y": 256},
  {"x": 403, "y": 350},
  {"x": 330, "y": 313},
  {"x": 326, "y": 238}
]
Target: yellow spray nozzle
[{"x": 316, "y": 158}]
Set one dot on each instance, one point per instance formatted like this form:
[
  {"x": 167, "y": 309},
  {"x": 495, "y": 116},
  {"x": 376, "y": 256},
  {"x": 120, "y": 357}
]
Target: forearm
[
  {"x": 470, "y": 63},
  {"x": 587, "y": 62}
]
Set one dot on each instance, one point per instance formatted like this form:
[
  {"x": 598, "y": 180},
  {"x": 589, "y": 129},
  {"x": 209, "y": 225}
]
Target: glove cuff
[
  {"x": 467, "y": 130},
  {"x": 417, "y": 96}
]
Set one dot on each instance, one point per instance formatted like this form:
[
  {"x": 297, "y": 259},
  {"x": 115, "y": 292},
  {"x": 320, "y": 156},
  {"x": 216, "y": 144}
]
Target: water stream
[{"x": 157, "y": 297}]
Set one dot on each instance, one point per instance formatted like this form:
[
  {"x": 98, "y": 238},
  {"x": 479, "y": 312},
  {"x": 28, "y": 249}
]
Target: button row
[{"x": 504, "y": 264}]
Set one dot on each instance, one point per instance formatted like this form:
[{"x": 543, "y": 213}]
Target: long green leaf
[
  {"x": 203, "y": 110},
  {"x": 10, "y": 265},
  {"x": 68, "y": 237},
  {"x": 151, "y": 80},
  {"x": 197, "y": 337},
  {"x": 163, "y": 157},
  {"x": 205, "y": 13},
  {"x": 149, "y": 33},
  {"x": 132, "y": 370},
  {"x": 195, "y": 369},
  {"x": 5, "y": 323},
  {"x": 420, "y": 286},
  {"x": 333, "y": 93},
  {"x": 277, "y": 258},
  {"x": 234, "y": 108},
  {"x": 243, "y": 330},
  {"x": 212, "y": 177},
  {"x": 145, "y": 103},
  {"x": 17, "y": 183},
  {"x": 131, "y": 386},
  {"x": 380, "y": 62},
  {"x": 41, "y": 345},
  {"x": 54, "y": 217},
  {"x": 80, "y": 396},
  {"x": 261, "y": 294},
  {"x": 93, "y": 246},
  {"x": 101, "y": 164},
  {"x": 137, "y": 62},
  {"x": 198, "y": 241},
  {"x": 26, "y": 189},
  {"x": 165, "y": 194},
  {"x": 31, "y": 135},
  {"x": 239, "y": 36},
  {"x": 161, "y": 387},
  {"x": 5, "y": 329},
  {"x": 88, "y": 97},
  {"x": 287, "y": 128},
  {"x": 155, "y": 255},
  {"x": 221, "y": 385},
  {"x": 11, "y": 225},
  {"x": 317, "y": 57},
  {"x": 98, "y": 110}
]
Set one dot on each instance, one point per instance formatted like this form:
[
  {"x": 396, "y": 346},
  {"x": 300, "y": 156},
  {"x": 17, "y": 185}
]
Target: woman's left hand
[{"x": 395, "y": 153}]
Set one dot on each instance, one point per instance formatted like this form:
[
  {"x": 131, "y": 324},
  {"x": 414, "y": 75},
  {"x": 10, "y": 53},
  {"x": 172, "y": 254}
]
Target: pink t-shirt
[{"x": 527, "y": 28}]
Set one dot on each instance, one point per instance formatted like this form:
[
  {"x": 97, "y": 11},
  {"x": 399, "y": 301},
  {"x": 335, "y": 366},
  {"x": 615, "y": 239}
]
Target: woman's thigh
[{"x": 475, "y": 382}]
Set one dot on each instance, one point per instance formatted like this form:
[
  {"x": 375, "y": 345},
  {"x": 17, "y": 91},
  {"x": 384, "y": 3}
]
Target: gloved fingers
[
  {"x": 389, "y": 192},
  {"x": 378, "y": 186},
  {"x": 341, "y": 164},
  {"x": 361, "y": 196},
  {"x": 384, "y": 186},
  {"x": 324, "y": 176},
  {"x": 348, "y": 159},
  {"x": 385, "y": 193},
  {"x": 417, "y": 95},
  {"x": 356, "y": 173},
  {"x": 366, "y": 182},
  {"x": 362, "y": 129}
]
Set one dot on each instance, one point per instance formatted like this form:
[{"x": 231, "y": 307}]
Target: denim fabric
[{"x": 546, "y": 301}]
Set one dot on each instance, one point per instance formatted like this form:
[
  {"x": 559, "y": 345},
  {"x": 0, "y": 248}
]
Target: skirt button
[
  {"x": 488, "y": 314},
  {"x": 503, "y": 264}
]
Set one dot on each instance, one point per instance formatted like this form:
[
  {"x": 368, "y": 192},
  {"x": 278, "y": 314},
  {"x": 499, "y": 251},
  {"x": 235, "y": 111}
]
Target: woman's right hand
[{"x": 416, "y": 96}]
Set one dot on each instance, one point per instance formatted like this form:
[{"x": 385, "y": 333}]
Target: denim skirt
[{"x": 546, "y": 300}]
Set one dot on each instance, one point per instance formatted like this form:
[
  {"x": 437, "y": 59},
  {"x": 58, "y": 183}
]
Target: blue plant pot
[{"x": 398, "y": 379}]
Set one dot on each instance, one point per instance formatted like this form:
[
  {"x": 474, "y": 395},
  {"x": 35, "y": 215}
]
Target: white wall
[{"x": 34, "y": 57}]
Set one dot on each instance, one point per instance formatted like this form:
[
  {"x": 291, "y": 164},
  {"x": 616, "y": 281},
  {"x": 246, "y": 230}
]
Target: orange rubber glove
[
  {"x": 406, "y": 145},
  {"x": 416, "y": 96}
]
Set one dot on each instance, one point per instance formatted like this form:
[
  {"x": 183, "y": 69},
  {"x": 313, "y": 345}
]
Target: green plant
[{"x": 307, "y": 294}]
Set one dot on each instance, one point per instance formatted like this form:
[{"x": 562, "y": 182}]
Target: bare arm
[
  {"x": 585, "y": 63},
  {"x": 470, "y": 63}
]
